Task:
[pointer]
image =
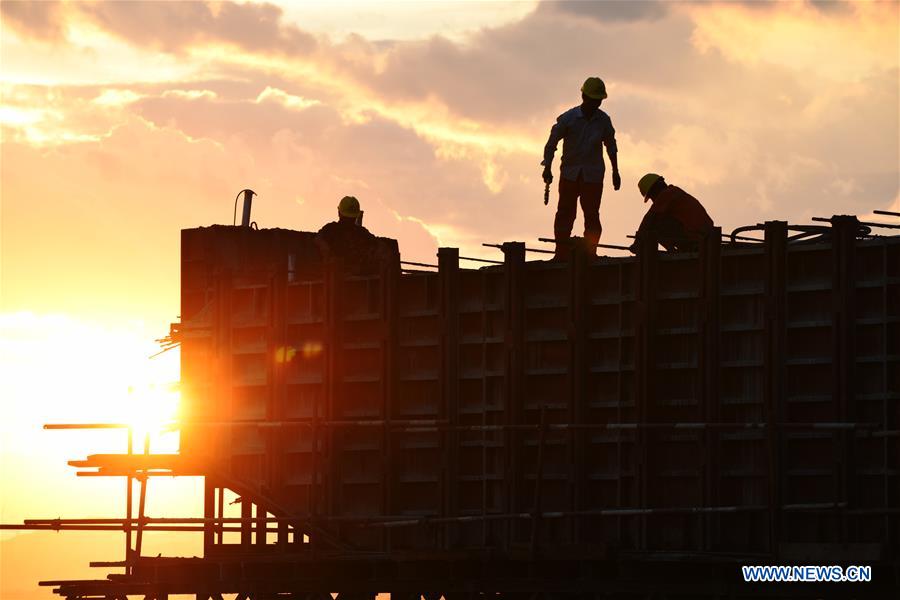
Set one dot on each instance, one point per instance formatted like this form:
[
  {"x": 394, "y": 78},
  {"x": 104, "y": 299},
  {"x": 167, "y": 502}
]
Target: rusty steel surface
[{"x": 738, "y": 401}]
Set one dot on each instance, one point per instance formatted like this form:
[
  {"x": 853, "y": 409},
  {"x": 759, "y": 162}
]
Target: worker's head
[
  {"x": 650, "y": 185},
  {"x": 593, "y": 92},
  {"x": 348, "y": 209}
]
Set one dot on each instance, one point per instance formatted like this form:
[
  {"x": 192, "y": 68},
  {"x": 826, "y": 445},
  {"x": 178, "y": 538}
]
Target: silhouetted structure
[{"x": 617, "y": 427}]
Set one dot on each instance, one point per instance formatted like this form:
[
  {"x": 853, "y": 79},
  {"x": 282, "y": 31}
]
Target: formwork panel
[{"x": 663, "y": 386}]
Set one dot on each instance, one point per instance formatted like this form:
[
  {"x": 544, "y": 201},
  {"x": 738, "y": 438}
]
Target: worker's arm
[
  {"x": 613, "y": 151},
  {"x": 557, "y": 132},
  {"x": 647, "y": 224}
]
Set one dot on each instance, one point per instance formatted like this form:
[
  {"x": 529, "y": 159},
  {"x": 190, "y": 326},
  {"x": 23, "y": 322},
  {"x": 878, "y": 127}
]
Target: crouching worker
[
  {"x": 676, "y": 220},
  {"x": 348, "y": 240}
]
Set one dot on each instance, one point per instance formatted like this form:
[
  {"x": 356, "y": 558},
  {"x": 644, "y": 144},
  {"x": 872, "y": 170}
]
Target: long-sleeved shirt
[{"x": 582, "y": 144}]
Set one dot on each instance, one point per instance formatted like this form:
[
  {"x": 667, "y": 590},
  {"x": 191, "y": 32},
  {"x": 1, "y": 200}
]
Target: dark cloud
[
  {"x": 43, "y": 20},
  {"x": 832, "y": 6},
  {"x": 170, "y": 26},
  {"x": 381, "y": 153},
  {"x": 607, "y": 11},
  {"x": 754, "y": 141},
  {"x": 513, "y": 73}
]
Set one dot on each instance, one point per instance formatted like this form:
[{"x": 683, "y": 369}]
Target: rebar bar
[
  {"x": 484, "y": 260},
  {"x": 597, "y": 245},
  {"x": 417, "y": 264}
]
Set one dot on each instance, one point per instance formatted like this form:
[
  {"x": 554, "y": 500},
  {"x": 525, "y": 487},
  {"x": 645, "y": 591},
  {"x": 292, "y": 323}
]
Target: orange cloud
[{"x": 840, "y": 46}]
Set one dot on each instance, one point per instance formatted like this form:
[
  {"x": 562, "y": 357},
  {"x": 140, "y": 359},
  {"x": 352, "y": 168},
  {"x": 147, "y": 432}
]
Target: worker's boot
[{"x": 563, "y": 250}]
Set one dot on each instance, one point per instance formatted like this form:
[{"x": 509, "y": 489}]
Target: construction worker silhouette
[
  {"x": 346, "y": 238},
  {"x": 584, "y": 130},
  {"x": 676, "y": 219}
]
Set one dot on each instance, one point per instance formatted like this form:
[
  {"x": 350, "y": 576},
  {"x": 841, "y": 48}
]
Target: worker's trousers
[{"x": 590, "y": 194}]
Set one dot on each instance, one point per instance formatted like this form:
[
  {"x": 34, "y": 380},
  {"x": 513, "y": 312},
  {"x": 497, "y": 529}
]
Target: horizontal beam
[
  {"x": 86, "y": 426},
  {"x": 597, "y": 245},
  {"x": 168, "y": 523},
  {"x": 122, "y": 527},
  {"x": 426, "y": 425}
]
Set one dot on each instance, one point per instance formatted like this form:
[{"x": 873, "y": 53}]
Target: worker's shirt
[
  {"x": 674, "y": 202},
  {"x": 583, "y": 141},
  {"x": 348, "y": 240}
]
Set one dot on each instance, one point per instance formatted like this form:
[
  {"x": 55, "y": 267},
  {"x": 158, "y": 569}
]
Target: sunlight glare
[{"x": 152, "y": 409}]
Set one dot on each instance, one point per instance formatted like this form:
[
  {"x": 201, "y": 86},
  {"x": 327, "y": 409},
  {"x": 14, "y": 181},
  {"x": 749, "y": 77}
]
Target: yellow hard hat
[
  {"x": 646, "y": 183},
  {"x": 348, "y": 207},
  {"x": 594, "y": 88}
]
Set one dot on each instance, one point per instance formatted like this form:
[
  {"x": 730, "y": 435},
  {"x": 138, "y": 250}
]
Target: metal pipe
[
  {"x": 129, "y": 502},
  {"x": 888, "y": 213},
  {"x": 174, "y": 528},
  {"x": 248, "y": 204},
  {"x": 884, "y": 225},
  {"x": 864, "y": 223},
  {"x": 86, "y": 426},
  {"x": 526, "y": 249},
  {"x": 142, "y": 503},
  {"x": 598, "y": 245},
  {"x": 167, "y": 524},
  {"x": 156, "y": 521},
  {"x": 418, "y": 264},
  {"x": 441, "y": 425},
  {"x": 484, "y": 260},
  {"x": 6, "y": 526}
]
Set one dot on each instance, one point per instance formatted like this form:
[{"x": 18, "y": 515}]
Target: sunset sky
[{"x": 124, "y": 122}]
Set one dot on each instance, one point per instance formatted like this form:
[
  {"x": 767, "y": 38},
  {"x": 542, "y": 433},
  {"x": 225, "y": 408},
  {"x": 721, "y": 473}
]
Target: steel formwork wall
[{"x": 644, "y": 380}]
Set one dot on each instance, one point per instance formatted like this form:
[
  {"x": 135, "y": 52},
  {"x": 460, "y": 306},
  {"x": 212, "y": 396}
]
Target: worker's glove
[
  {"x": 548, "y": 176},
  {"x": 617, "y": 181}
]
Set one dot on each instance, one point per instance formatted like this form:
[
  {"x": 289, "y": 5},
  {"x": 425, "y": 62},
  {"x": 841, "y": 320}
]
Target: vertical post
[
  {"x": 644, "y": 369},
  {"x": 448, "y": 274},
  {"x": 261, "y": 526},
  {"x": 889, "y": 414},
  {"x": 578, "y": 368},
  {"x": 390, "y": 273},
  {"x": 209, "y": 512},
  {"x": 776, "y": 300},
  {"x": 844, "y": 357},
  {"x": 280, "y": 316},
  {"x": 538, "y": 485},
  {"x": 246, "y": 523},
  {"x": 276, "y": 443},
  {"x": 222, "y": 388},
  {"x": 708, "y": 337},
  {"x": 283, "y": 534},
  {"x": 514, "y": 265},
  {"x": 141, "y": 503},
  {"x": 128, "y": 505},
  {"x": 334, "y": 279},
  {"x": 220, "y": 513},
  {"x": 315, "y": 457}
]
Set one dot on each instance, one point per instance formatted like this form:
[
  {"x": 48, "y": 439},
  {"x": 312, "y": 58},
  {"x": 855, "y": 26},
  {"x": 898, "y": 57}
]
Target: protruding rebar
[{"x": 598, "y": 245}]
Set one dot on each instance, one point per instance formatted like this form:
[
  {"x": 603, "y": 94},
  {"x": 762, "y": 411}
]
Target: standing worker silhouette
[{"x": 584, "y": 130}]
